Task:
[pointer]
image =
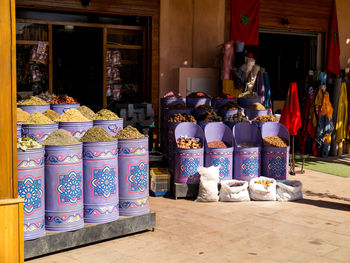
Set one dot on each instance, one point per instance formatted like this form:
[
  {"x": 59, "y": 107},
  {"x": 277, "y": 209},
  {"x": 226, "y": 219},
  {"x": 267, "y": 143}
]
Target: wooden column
[{"x": 11, "y": 208}]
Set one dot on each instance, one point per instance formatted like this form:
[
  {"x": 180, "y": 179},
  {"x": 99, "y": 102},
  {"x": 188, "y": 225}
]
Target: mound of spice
[
  {"x": 265, "y": 118},
  {"x": 248, "y": 95},
  {"x": 86, "y": 111},
  {"x": 275, "y": 141},
  {"x": 217, "y": 144},
  {"x": 209, "y": 117},
  {"x": 63, "y": 99},
  {"x": 37, "y": 118},
  {"x": 105, "y": 115},
  {"x": 22, "y": 115},
  {"x": 178, "y": 106},
  {"x": 72, "y": 115},
  {"x": 96, "y": 134},
  {"x": 189, "y": 143},
  {"x": 32, "y": 101},
  {"x": 198, "y": 95},
  {"x": 178, "y": 117},
  {"x": 46, "y": 96},
  {"x": 246, "y": 145},
  {"x": 205, "y": 107},
  {"x": 257, "y": 106},
  {"x": 27, "y": 142},
  {"x": 60, "y": 137},
  {"x": 238, "y": 117},
  {"x": 266, "y": 183},
  {"x": 52, "y": 115},
  {"x": 129, "y": 133},
  {"x": 231, "y": 106}
]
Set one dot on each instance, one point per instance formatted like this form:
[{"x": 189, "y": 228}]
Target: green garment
[{"x": 342, "y": 116}]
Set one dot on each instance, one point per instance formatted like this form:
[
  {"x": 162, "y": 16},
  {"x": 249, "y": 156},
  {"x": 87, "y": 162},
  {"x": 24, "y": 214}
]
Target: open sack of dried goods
[
  {"x": 234, "y": 191},
  {"x": 262, "y": 189},
  {"x": 208, "y": 185},
  {"x": 289, "y": 190}
]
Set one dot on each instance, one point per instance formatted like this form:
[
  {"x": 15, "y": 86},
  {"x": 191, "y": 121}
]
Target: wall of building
[
  {"x": 343, "y": 9},
  {"x": 190, "y": 30}
]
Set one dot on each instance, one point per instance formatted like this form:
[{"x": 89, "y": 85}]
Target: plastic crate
[{"x": 159, "y": 181}]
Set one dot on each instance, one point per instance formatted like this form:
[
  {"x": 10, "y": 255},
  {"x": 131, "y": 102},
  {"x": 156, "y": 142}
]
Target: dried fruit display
[
  {"x": 189, "y": 143},
  {"x": 275, "y": 141},
  {"x": 178, "y": 117}
]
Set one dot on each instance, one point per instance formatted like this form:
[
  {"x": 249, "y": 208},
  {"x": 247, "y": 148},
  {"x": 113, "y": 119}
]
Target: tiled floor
[{"x": 316, "y": 229}]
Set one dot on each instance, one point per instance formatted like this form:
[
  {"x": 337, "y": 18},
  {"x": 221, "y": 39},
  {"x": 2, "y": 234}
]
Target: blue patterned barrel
[
  {"x": 100, "y": 181},
  {"x": 62, "y": 108},
  {"x": 39, "y": 131},
  {"x": 31, "y": 187},
  {"x": 34, "y": 108},
  {"x": 133, "y": 168},
  {"x": 64, "y": 209},
  {"x": 111, "y": 126},
  {"x": 19, "y": 130},
  {"x": 76, "y": 129}
]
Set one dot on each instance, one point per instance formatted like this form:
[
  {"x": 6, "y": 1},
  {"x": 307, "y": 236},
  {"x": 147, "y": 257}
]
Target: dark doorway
[{"x": 77, "y": 63}]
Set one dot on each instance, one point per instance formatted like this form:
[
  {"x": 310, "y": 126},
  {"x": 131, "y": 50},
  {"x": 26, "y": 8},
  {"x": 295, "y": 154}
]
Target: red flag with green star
[
  {"x": 333, "y": 64},
  {"x": 245, "y": 21}
]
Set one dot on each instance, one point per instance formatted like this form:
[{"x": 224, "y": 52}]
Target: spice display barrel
[
  {"x": 111, "y": 126},
  {"x": 217, "y": 103},
  {"x": 203, "y": 124},
  {"x": 171, "y": 112},
  {"x": 100, "y": 181},
  {"x": 226, "y": 114},
  {"x": 247, "y": 102},
  {"x": 275, "y": 160},
  {"x": 133, "y": 174},
  {"x": 195, "y": 102},
  {"x": 64, "y": 209},
  {"x": 31, "y": 187},
  {"x": 251, "y": 114},
  {"x": 187, "y": 161},
  {"x": 62, "y": 108},
  {"x": 219, "y": 156},
  {"x": 198, "y": 112},
  {"x": 19, "y": 130},
  {"x": 39, "y": 131},
  {"x": 246, "y": 160},
  {"x": 259, "y": 124},
  {"x": 171, "y": 145},
  {"x": 167, "y": 102},
  {"x": 76, "y": 129},
  {"x": 34, "y": 108},
  {"x": 230, "y": 124}
]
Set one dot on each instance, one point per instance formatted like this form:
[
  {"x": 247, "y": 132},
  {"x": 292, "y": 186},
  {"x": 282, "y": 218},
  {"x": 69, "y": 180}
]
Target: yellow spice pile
[
  {"x": 51, "y": 114},
  {"x": 37, "y": 118},
  {"x": 32, "y": 101},
  {"x": 22, "y": 115},
  {"x": 72, "y": 115}
]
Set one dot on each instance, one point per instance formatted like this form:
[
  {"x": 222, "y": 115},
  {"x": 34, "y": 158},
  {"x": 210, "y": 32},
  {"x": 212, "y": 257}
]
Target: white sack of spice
[
  {"x": 234, "y": 191},
  {"x": 208, "y": 186},
  {"x": 289, "y": 190}
]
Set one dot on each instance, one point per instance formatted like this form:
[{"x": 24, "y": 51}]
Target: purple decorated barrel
[
  {"x": 187, "y": 161},
  {"x": 227, "y": 113},
  {"x": 133, "y": 174},
  {"x": 100, "y": 181},
  {"x": 230, "y": 124},
  {"x": 259, "y": 124},
  {"x": 167, "y": 102},
  {"x": 197, "y": 113},
  {"x": 246, "y": 160},
  {"x": 217, "y": 103},
  {"x": 203, "y": 124},
  {"x": 19, "y": 130},
  {"x": 111, "y": 126},
  {"x": 34, "y": 108},
  {"x": 251, "y": 114},
  {"x": 222, "y": 157},
  {"x": 40, "y": 131},
  {"x": 195, "y": 102},
  {"x": 171, "y": 145},
  {"x": 31, "y": 187},
  {"x": 275, "y": 160},
  {"x": 76, "y": 129},
  {"x": 62, "y": 108},
  {"x": 247, "y": 102},
  {"x": 64, "y": 209}
]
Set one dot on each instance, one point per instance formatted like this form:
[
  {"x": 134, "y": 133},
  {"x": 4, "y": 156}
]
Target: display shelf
[
  {"x": 120, "y": 46},
  {"x": 30, "y": 42}
]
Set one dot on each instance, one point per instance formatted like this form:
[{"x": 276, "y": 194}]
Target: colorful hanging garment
[
  {"x": 305, "y": 119},
  {"x": 333, "y": 64},
  {"x": 267, "y": 90},
  {"x": 245, "y": 21},
  {"x": 290, "y": 116},
  {"x": 227, "y": 61},
  {"x": 342, "y": 127}
]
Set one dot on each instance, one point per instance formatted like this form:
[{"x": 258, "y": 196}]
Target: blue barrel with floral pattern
[
  {"x": 38, "y": 131},
  {"x": 34, "y": 108},
  {"x": 133, "y": 174},
  {"x": 64, "y": 209},
  {"x": 76, "y": 129},
  {"x": 31, "y": 187},
  {"x": 100, "y": 181},
  {"x": 62, "y": 108}
]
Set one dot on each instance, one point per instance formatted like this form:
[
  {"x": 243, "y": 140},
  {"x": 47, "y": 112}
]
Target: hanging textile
[
  {"x": 245, "y": 21},
  {"x": 342, "y": 128},
  {"x": 290, "y": 116},
  {"x": 305, "y": 118},
  {"x": 333, "y": 52},
  {"x": 227, "y": 61},
  {"x": 267, "y": 90}
]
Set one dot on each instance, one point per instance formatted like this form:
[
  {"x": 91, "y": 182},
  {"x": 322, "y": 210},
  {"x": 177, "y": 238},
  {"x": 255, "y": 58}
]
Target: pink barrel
[
  {"x": 39, "y": 131},
  {"x": 64, "y": 187},
  {"x": 19, "y": 129},
  {"x": 133, "y": 169},
  {"x": 61, "y": 108},
  {"x": 219, "y": 156},
  {"x": 246, "y": 159},
  {"x": 195, "y": 102},
  {"x": 275, "y": 161},
  {"x": 34, "y": 108},
  {"x": 100, "y": 181},
  {"x": 111, "y": 126},
  {"x": 187, "y": 161},
  {"x": 31, "y": 186},
  {"x": 76, "y": 129}
]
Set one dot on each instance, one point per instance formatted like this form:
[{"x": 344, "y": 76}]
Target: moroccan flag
[
  {"x": 333, "y": 64},
  {"x": 245, "y": 21},
  {"x": 290, "y": 116}
]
